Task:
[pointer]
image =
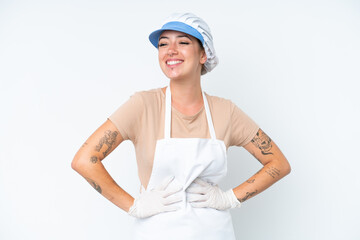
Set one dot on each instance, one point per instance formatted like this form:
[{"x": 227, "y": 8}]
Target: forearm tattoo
[
  {"x": 263, "y": 142},
  {"x": 94, "y": 185},
  {"x": 108, "y": 139},
  {"x": 250, "y": 181},
  {"x": 273, "y": 172},
  {"x": 253, "y": 180},
  {"x": 248, "y": 195}
]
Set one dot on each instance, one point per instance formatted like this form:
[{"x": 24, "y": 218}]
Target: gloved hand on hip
[
  {"x": 208, "y": 195},
  {"x": 157, "y": 200}
]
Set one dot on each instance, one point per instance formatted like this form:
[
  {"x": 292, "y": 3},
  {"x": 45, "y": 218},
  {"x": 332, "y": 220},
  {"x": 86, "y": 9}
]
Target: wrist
[
  {"x": 234, "y": 202},
  {"x": 131, "y": 207}
]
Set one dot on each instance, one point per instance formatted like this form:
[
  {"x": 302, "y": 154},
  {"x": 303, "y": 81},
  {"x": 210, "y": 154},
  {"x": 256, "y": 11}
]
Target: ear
[{"x": 203, "y": 57}]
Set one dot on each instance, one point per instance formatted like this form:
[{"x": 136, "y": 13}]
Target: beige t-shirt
[{"x": 141, "y": 120}]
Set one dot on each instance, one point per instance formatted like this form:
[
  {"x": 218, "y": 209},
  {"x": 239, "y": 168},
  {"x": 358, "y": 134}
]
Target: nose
[{"x": 172, "y": 50}]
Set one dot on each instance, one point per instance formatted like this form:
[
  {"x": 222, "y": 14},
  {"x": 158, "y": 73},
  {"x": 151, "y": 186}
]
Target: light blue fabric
[{"x": 177, "y": 26}]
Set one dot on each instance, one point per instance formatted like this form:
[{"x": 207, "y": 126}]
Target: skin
[
  {"x": 275, "y": 166},
  {"x": 186, "y": 98},
  {"x": 88, "y": 163}
]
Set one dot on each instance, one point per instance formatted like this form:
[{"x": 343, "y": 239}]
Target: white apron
[{"x": 187, "y": 159}]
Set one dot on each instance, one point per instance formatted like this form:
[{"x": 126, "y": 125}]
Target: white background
[{"x": 292, "y": 66}]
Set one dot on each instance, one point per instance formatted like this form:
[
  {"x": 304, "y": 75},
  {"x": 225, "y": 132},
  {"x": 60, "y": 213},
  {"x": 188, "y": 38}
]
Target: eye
[
  {"x": 162, "y": 44},
  {"x": 186, "y": 43}
]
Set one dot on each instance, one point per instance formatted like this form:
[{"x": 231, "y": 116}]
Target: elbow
[
  {"x": 283, "y": 166},
  {"x": 286, "y": 168},
  {"x": 78, "y": 164},
  {"x": 82, "y": 163},
  {"x": 75, "y": 164}
]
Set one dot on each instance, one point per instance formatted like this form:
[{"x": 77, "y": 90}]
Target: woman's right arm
[{"x": 87, "y": 162}]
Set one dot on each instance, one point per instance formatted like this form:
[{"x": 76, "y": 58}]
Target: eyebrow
[{"x": 179, "y": 36}]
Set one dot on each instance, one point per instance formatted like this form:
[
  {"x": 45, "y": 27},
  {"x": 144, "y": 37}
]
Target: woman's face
[{"x": 180, "y": 55}]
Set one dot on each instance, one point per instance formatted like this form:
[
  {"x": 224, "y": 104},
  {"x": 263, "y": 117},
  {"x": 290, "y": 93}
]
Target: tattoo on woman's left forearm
[
  {"x": 250, "y": 181},
  {"x": 273, "y": 172},
  {"x": 247, "y": 196}
]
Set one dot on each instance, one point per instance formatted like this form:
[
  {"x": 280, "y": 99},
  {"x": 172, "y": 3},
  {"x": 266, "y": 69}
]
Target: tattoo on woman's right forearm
[{"x": 94, "y": 185}]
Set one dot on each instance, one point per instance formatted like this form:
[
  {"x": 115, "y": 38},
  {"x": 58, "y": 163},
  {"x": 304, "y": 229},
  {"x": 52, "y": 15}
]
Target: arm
[
  {"x": 87, "y": 162},
  {"x": 275, "y": 167}
]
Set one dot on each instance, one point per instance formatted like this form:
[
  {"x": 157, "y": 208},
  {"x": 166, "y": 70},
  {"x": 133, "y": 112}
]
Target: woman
[{"x": 181, "y": 136}]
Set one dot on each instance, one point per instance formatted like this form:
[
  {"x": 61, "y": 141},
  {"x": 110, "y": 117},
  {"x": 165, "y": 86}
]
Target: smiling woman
[
  {"x": 180, "y": 55},
  {"x": 181, "y": 135}
]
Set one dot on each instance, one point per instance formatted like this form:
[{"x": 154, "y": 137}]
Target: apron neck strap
[
  {"x": 167, "y": 113},
  {"x": 167, "y": 129}
]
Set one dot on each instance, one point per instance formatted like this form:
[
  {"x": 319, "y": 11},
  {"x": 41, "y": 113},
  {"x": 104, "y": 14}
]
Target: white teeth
[{"x": 173, "y": 62}]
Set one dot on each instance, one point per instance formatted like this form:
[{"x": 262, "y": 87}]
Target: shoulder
[
  {"x": 147, "y": 96},
  {"x": 225, "y": 108},
  {"x": 150, "y": 93},
  {"x": 219, "y": 103},
  {"x": 149, "y": 100},
  {"x": 217, "y": 98}
]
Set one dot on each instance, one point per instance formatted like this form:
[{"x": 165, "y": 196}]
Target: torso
[{"x": 147, "y": 111}]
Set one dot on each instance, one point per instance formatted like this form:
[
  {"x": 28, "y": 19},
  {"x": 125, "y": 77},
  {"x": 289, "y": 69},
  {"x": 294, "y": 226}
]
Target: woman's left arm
[{"x": 275, "y": 167}]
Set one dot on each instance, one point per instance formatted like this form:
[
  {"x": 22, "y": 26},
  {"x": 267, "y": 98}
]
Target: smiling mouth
[{"x": 174, "y": 62}]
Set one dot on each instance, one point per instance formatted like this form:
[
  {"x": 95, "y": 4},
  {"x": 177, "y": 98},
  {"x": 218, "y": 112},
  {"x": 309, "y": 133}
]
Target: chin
[
  {"x": 172, "y": 74},
  {"x": 178, "y": 75}
]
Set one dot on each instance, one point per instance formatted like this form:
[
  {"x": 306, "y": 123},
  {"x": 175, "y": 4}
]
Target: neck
[{"x": 186, "y": 95}]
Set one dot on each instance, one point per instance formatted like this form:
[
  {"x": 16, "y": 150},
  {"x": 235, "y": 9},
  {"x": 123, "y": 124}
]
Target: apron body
[{"x": 187, "y": 159}]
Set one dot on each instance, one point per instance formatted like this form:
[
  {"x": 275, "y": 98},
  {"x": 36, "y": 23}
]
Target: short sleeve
[
  {"x": 127, "y": 118},
  {"x": 243, "y": 128}
]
